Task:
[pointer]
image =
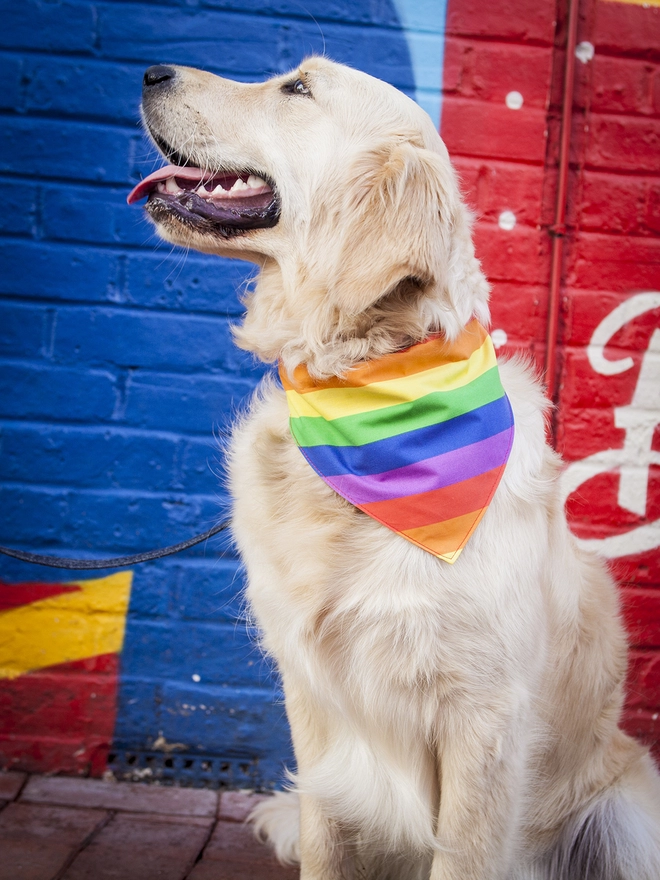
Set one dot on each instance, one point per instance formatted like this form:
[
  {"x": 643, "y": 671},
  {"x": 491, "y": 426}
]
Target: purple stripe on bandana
[{"x": 427, "y": 475}]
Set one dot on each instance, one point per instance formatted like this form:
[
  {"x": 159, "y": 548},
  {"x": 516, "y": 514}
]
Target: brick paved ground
[{"x": 60, "y": 828}]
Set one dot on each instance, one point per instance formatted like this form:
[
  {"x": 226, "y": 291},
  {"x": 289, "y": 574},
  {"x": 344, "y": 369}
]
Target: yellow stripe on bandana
[
  {"x": 335, "y": 403},
  {"x": 70, "y": 626}
]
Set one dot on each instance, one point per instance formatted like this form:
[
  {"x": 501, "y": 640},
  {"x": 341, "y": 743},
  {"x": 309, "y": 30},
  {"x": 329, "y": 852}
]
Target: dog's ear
[{"x": 402, "y": 218}]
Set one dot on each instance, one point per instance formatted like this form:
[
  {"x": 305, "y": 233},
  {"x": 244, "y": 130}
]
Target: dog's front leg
[
  {"x": 321, "y": 845},
  {"x": 481, "y": 766},
  {"x": 321, "y": 852}
]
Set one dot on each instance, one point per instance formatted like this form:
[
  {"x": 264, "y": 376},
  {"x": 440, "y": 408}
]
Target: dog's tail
[
  {"x": 616, "y": 837},
  {"x": 276, "y": 821}
]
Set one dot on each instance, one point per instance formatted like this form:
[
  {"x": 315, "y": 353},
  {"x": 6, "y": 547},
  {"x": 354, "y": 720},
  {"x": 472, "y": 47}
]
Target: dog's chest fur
[{"x": 381, "y": 637}]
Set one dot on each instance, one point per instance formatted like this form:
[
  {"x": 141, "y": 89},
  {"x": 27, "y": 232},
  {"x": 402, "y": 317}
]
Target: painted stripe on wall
[
  {"x": 424, "y": 22},
  {"x": 86, "y": 622},
  {"x": 636, "y": 2}
]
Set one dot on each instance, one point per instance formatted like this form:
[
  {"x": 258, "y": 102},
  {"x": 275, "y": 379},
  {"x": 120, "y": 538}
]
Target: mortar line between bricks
[
  {"x": 109, "y": 306},
  {"x": 648, "y": 55},
  {"x": 107, "y": 818},
  {"x": 53, "y": 488},
  {"x": 10, "y": 51},
  {"x": 38, "y": 225},
  {"x": 96, "y": 34},
  {"x": 129, "y": 124},
  {"x": 62, "y": 181},
  {"x": 650, "y": 115},
  {"x": 108, "y": 368},
  {"x": 28, "y": 301},
  {"x": 575, "y": 166},
  {"x": 75, "y": 54},
  {"x": 500, "y": 39},
  {"x": 35, "y": 115},
  {"x": 129, "y": 494},
  {"x": 618, "y": 172},
  {"x": 528, "y": 163},
  {"x": 63, "y": 423},
  {"x": 104, "y": 245},
  {"x": 119, "y": 409},
  {"x": 84, "y": 428},
  {"x": 581, "y": 235},
  {"x": 617, "y": 114},
  {"x": 158, "y": 252}
]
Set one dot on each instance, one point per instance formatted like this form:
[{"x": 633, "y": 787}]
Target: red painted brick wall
[
  {"x": 613, "y": 263},
  {"x": 500, "y": 152},
  {"x": 607, "y": 416}
]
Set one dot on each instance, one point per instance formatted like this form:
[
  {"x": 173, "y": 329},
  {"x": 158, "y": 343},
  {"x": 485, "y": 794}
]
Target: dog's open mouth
[{"x": 221, "y": 202}]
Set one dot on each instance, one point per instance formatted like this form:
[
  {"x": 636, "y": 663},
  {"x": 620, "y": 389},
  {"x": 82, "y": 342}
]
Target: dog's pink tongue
[{"x": 145, "y": 186}]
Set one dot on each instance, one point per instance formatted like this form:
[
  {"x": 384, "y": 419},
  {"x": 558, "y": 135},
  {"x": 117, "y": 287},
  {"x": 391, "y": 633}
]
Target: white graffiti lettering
[{"x": 639, "y": 420}]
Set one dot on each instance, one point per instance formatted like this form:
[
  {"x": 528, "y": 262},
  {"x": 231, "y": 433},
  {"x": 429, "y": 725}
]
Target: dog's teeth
[
  {"x": 239, "y": 185},
  {"x": 255, "y": 182},
  {"x": 202, "y": 191},
  {"x": 219, "y": 190},
  {"x": 160, "y": 187},
  {"x": 171, "y": 186}
]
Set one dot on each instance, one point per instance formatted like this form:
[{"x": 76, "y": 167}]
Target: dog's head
[{"x": 333, "y": 177}]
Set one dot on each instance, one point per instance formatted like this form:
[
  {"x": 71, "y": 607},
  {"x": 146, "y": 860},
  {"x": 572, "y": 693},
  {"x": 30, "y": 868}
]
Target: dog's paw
[{"x": 276, "y": 821}]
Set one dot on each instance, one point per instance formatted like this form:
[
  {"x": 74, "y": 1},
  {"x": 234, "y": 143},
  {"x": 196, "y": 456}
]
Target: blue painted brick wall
[{"x": 116, "y": 361}]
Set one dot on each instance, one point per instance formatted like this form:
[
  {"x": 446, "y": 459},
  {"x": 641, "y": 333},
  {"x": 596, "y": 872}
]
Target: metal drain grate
[{"x": 193, "y": 771}]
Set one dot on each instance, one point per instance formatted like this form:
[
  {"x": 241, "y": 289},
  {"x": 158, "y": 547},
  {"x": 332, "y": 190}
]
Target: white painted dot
[
  {"x": 196, "y": 677},
  {"x": 499, "y": 338},
  {"x": 514, "y": 100},
  {"x": 584, "y": 51},
  {"x": 506, "y": 220}
]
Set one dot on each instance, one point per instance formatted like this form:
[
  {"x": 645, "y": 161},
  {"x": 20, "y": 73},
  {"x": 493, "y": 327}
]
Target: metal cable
[{"x": 115, "y": 562}]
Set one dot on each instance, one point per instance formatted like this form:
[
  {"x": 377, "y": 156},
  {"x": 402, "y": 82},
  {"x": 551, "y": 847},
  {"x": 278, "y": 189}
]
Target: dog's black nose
[{"x": 157, "y": 75}]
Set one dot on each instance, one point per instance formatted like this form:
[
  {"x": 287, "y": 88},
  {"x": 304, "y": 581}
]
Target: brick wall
[
  {"x": 117, "y": 368},
  {"x": 496, "y": 60},
  {"x": 606, "y": 418},
  {"x": 116, "y": 365}
]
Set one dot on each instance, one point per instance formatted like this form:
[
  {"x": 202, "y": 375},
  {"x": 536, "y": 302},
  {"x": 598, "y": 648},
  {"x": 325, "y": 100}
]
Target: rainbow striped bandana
[{"x": 418, "y": 439}]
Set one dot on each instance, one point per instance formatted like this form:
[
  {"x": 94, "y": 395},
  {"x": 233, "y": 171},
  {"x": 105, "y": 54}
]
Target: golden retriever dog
[{"x": 450, "y": 721}]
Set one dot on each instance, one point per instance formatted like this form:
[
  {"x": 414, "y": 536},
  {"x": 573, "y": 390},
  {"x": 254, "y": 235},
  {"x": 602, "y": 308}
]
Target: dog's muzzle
[{"x": 224, "y": 202}]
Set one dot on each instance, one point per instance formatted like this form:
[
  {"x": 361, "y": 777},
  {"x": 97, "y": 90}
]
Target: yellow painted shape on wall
[
  {"x": 71, "y": 626},
  {"x": 637, "y": 2}
]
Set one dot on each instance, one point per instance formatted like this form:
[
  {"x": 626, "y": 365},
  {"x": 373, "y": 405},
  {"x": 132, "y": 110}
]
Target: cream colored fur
[{"x": 452, "y": 722}]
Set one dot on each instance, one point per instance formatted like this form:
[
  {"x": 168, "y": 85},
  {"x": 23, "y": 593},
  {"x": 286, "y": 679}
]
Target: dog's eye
[{"x": 296, "y": 87}]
